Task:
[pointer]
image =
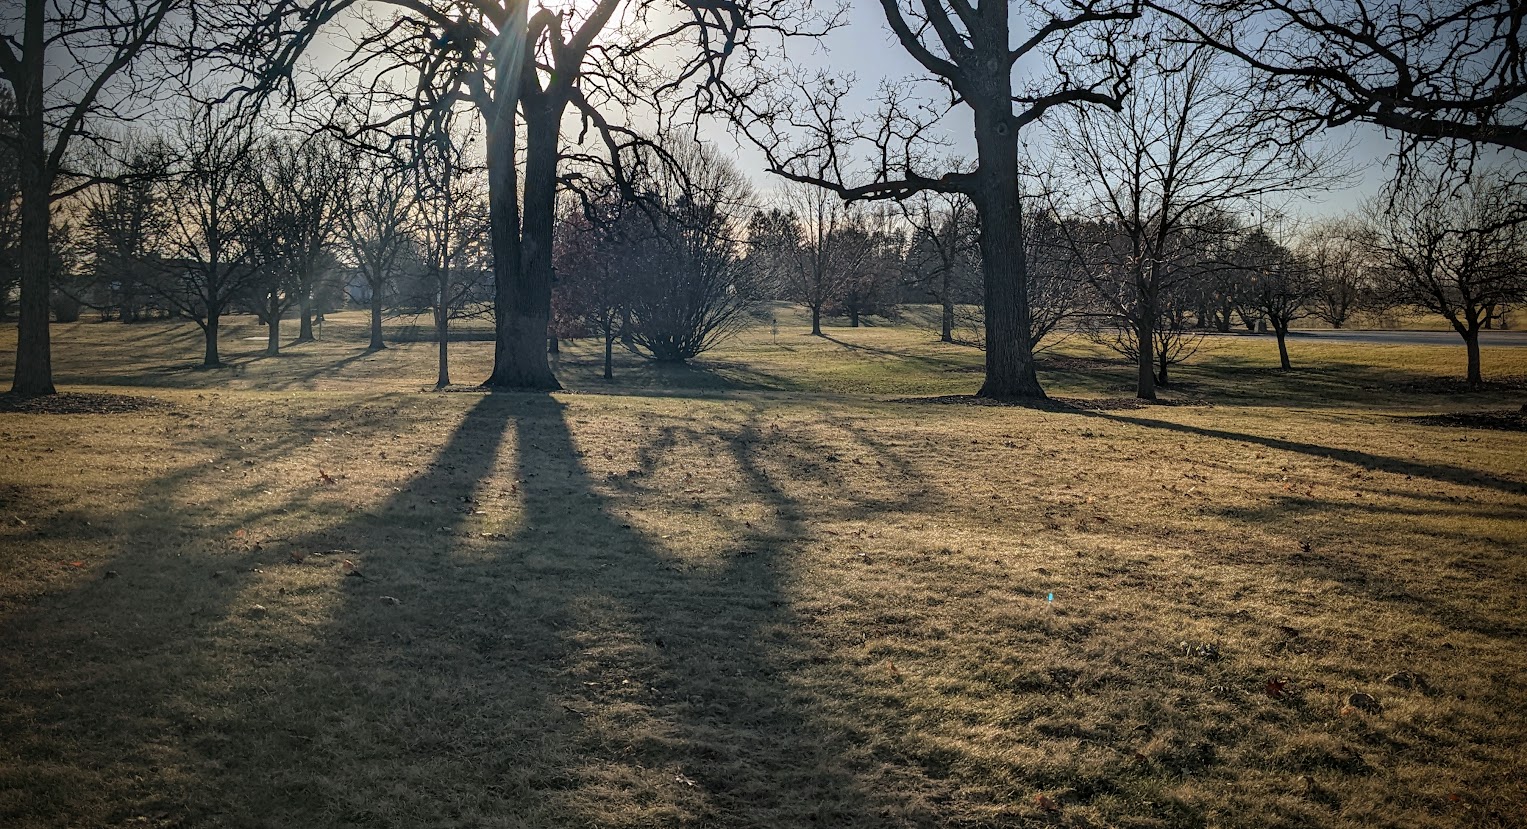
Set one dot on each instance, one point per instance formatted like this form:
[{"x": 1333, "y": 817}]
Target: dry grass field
[{"x": 781, "y": 587}]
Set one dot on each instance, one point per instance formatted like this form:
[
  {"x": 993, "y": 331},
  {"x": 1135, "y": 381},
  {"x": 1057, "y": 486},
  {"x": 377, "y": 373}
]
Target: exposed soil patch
[
  {"x": 1505, "y": 420},
  {"x": 79, "y": 403}
]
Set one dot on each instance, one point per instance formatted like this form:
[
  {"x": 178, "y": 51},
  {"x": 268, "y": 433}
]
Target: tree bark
[
  {"x": 609, "y": 349},
  {"x": 305, "y": 329},
  {"x": 816, "y": 320},
  {"x": 273, "y": 332},
  {"x": 442, "y": 344},
  {"x": 1471, "y": 343},
  {"x": 522, "y": 251},
  {"x": 34, "y": 359},
  {"x": 376, "y": 321},
  {"x": 1145, "y": 341},
  {"x": 1282, "y": 333},
  {"x": 1010, "y": 371},
  {"x": 210, "y": 357},
  {"x": 946, "y": 321}
]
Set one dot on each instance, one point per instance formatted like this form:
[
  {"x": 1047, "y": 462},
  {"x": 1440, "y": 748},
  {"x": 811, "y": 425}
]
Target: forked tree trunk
[{"x": 522, "y": 253}]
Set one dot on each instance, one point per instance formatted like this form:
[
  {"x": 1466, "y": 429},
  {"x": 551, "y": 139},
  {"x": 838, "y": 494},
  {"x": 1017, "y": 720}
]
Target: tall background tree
[
  {"x": 72, "y": 68},
  {"x": 1450, "y": 252},
  {"x": 375, "y": 220},
  {"x": 522, "y": 72},
  {"x": 972, "y": 52},
  {"x": 212, "y": 250},
  {"x": 1193, "y": 143}
]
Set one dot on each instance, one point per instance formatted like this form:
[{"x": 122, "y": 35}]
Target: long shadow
[
  {"x": 926, "y": 362},
  {"x": 1437, "y": 472},
  {"x": 518, "y": 652}
]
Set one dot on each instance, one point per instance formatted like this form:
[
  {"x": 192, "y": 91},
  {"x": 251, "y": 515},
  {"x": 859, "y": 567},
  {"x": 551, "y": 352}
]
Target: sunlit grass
[{"x": 760, "y": 591}]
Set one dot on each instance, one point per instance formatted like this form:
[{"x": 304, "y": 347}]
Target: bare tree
[
  {"x": 211, "y": 248},
  {"x": 302, "y": 189},
  {"x": 972, "y": 52},
  {"x": 451, "y": 224},
  {"x": 943, "y": 253},
  {"x": 123, "y": 222},
  {"x": 831, "y": 246},
  {"x": 375, "y": 220},
  {"x": 601, "y": 249},
  {"x": 71, "y": 66},
  {"x": 1449, "y": 253},
  {"x": 699, "y": 285},
  {"x": 522, "y": 72},
  {"x": 1430, "y": 70},
  {"x": 1338, "y": 271},
  {"x": 1192, "y": 144},
  {"x": 1278, "y": 285}
]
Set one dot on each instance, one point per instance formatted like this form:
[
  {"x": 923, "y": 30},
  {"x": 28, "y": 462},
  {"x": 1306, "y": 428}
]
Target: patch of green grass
[{"x": 758, "y": 591}]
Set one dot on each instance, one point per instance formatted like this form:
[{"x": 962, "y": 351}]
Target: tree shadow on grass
[
  {"x": 1443, "y": 473},
  {"x": 518, "y": 652}
]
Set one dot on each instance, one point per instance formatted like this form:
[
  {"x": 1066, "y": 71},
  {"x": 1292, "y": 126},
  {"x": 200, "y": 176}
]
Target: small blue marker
[{"x": 1050, "y": 598}]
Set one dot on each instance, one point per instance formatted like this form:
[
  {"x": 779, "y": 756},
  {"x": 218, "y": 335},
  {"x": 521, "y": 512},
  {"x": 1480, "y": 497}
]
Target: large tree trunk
[
  {"x": 376, "y": 320},
  {"x": 305, "y": 329},
  {"x": 522, "y": 252},
  {"x": 816, "y": 320},
  {"x": 209, "y": 330},
  {"x": 1009, "y": 356},
  {"x": 34, "y": 352}
]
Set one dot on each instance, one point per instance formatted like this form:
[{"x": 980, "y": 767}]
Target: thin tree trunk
[
  {"x": 816, "y": 320},
  {"x": 442, "y": 340},
  {"x": 273, "y": 332},
  {"x": 376, "y": 320},
  {"x": 609, "y": 349},
  {"x": 553, "y": 346},
  {"x": 1471, "y": 342},
  {"x": 209, "y": 330},
  {"x": 1282, "y": 333},
  {"x": 946, "y": 321},
  {"x": 853, "y": 316}
]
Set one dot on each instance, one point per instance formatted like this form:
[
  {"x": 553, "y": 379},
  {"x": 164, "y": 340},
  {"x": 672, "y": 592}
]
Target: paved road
[{"x": 1488, "y": 339}]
